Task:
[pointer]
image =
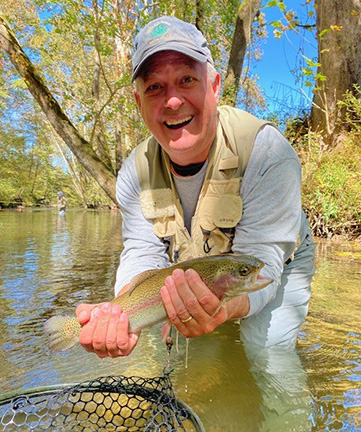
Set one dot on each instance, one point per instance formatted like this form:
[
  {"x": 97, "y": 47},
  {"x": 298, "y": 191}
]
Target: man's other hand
[{"x": 105, "y": 330}]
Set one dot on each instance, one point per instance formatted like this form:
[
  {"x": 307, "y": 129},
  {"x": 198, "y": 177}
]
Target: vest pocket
[
  {"x": 218, "y": 219},
  {"x": 158, "y": 206},
  {"x": 157, "y": 203},
  {"x": 164, "y": 227},
  {"x": 223, "y": 211}
]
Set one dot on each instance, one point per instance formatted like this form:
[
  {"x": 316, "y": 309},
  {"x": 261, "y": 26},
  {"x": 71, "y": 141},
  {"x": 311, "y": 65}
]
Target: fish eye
[{"x": 244, "y": 271}]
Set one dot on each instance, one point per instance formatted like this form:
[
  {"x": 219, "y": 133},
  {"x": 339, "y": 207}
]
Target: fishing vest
[{"x": 219, "y": 206}]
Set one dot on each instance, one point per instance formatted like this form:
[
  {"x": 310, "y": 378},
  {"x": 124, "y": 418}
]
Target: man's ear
[
  {"x": 137, "y": 98},
  {"x": 217, "y": 86}
]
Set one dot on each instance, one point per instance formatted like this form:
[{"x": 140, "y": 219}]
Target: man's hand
[
  {"x": 185, "y": 295},
  {"x": 105, "y": 330}
]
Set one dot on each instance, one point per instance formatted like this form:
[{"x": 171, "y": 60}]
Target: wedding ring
[{"x": 187, "y": 320}]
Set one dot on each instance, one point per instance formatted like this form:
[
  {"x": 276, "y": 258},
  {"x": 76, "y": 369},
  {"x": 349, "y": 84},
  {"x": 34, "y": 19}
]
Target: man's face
[{"x": 179, "y": 105}]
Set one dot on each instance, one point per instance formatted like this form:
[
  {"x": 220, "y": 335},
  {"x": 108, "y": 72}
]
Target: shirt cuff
[{"x": 259, "y": 299}]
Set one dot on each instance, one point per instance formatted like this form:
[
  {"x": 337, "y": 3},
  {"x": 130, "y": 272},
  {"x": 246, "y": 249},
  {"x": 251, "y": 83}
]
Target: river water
[{"x": 50, "y": 264}]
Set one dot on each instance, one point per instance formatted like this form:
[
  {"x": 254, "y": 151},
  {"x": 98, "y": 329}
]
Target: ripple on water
[
  {"x": 330, "y": 348},
  {"x": 50, "y": 265}
]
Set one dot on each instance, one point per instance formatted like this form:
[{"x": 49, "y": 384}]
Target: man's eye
[
  {"x": 188, "y": 79},
  {"x": 153, "y": 87}
]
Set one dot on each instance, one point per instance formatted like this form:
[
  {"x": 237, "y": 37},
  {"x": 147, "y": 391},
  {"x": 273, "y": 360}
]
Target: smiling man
[
  {"x": 179, "y": 105},
  {"x": 208, "y": 180}
]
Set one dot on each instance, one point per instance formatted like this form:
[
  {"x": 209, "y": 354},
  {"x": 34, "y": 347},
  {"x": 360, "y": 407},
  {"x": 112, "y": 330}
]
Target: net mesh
[{"x": 113, "y": 403}]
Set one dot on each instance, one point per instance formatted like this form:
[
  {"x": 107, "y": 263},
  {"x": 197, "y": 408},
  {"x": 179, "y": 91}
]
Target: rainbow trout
[{"x": 227, "y": 276}]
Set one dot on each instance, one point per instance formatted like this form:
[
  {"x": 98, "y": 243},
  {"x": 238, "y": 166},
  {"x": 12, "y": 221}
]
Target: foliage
[
  {"x": 291, "y": 21},
  {"x": 312, "y": 74},
  {"x": 26, "y": 172},
  {"x": 351, "y": 103},
  {"x": 82, "y": 50},
  {"x": 251, "y": 97},
  {"x": 296, "y": 127},
  {"x": 331, "y": 184}
]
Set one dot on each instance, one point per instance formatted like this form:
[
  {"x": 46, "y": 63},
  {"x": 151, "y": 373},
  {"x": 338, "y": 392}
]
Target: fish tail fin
[{"x": 63, "y": 332}]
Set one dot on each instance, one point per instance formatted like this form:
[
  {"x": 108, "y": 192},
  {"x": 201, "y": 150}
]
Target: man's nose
[{"x": 173, "y": 98}]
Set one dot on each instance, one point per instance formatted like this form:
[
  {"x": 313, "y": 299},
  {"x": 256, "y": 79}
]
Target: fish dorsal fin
[{"x": 141, "y": 277}]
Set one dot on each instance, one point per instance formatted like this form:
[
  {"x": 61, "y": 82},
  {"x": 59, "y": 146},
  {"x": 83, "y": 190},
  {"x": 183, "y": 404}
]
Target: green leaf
[
  {"x": 19, "y": 83},
  {"x": 323, "y": 32},
  {"x": 320, "y": 77},
  {"x": 276, "y": 24},
  {"x": 311, "y": 63},
  {"x": 307, "y": 71},
  {"x": 3, "y": 93},
  {"x": 272, "y": 3}
]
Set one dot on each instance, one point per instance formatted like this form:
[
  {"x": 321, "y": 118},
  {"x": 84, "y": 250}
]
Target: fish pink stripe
[{"x": 145, "y": 305}]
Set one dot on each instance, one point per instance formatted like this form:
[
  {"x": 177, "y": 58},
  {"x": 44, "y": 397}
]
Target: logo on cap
[{"x": 159, "y": 30}]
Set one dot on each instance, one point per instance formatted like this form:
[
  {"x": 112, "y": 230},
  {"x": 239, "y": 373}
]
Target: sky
[{"x": 280, "y": 56}]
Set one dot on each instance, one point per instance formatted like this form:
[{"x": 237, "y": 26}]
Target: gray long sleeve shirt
[{"x": 271, "y": 222}]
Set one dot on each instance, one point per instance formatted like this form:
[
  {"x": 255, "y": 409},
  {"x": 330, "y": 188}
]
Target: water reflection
[
  {"x": 282, "y": 380},
  {"x": 52, "y": 264},
  {"x": 329, "y": 347}
]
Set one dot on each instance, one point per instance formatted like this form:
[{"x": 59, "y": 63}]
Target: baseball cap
[{"x": 169, "y": 33}]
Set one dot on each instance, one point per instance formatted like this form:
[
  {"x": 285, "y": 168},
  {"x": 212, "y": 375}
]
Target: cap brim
[{"x": 195, "y": 55}]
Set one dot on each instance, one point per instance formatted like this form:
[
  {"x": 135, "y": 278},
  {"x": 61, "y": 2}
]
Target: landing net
[{"x": 113, "y": 403}]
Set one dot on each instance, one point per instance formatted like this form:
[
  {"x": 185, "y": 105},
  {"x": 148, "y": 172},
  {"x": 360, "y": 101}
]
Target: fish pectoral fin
[
  {"x": 223, "y": 301},
  {"x": 218, "y": 307},
  {"x": 141, "y": 277},
  {"x": 166, "y": 327}
]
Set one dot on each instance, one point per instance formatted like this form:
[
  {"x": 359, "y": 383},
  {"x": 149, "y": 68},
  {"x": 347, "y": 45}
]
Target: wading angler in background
[
  {"x": 209, "y": 180},
  {"x": 61, "y": 203}
]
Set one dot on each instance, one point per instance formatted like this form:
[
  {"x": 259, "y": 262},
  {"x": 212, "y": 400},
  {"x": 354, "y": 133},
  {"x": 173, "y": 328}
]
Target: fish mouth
[
  {"x": 177, "y": 124},
  {"x": 261, "y": 282}
]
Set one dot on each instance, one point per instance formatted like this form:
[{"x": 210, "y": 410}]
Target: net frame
[{"x": 112, "y": 403}]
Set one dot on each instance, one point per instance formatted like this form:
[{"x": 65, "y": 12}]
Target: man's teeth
[{"x": 178, "y": 122}]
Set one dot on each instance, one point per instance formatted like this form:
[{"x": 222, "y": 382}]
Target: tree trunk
[
  {"x": 339, "y": 54},
  {"x": 200, "y": 15},
  {"x": 122, "y": 54},
  {"x": 241, "y": 39},
  {"x": 60, "y": 122},
  {"x": 98, "y": 136}
]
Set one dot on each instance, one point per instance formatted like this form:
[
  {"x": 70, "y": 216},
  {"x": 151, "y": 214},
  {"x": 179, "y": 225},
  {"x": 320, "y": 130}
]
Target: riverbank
[
  {"x": 331, "y": 183},
  {"x": 21, "y": 208},
  {"x": 16, "y": 206}
]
